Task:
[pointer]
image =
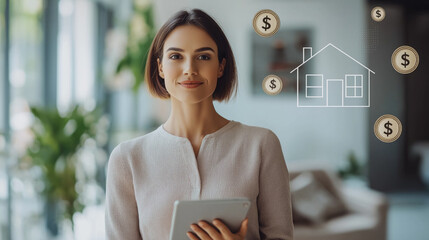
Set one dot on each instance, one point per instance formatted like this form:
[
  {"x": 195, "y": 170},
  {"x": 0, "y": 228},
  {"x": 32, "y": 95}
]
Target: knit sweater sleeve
[
  {"x": 121, "y": 219},
  {"x": 274, "y": 200}
]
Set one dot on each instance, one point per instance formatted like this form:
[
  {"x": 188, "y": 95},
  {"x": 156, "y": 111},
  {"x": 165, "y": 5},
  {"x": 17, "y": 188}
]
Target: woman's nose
[{"x": 190, "y": 68}]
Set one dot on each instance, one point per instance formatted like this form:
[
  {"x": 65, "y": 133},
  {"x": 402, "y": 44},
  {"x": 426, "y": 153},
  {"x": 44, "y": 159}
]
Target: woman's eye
[
  {"x": 175, "y": 56},
  {"x": 204, "y": 57}
]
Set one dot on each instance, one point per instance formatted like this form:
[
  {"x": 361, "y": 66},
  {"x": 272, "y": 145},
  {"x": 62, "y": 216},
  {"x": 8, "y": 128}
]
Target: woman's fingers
[
  {"x": 243, "y": 228},
  {"x": 224, "y": 230},
  {"x": 192, "y": 236},
  {"x": 227, "y": 234},
  {"x": 201, "y": 233},
  {"x": 205, "y": 231}
]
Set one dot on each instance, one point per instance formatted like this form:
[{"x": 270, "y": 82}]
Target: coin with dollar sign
[
  {"x": 272, "y": 84},
  {"x": 378, "y": 14},
  {"x": 405, "y": 59},
  {"x": 387, "y": 128},
  {"x": 266, "y": 23}
]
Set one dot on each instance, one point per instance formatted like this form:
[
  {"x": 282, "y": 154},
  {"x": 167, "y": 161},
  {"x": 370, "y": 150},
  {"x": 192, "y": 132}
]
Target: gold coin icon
[
  {"x": 272, "y": 84},
  {"x": 387, "y": 128},
  {"x": 405, "y": 59},
  {"x": 266, "y": 23},
  {"x": 378, "y": 14}
]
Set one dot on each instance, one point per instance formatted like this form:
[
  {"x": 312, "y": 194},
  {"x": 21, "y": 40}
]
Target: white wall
[{"x": 323, "y": 134}]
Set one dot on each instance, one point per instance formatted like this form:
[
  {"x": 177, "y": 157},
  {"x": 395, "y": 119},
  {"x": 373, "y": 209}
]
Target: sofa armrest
[{"x": 367, "y": 201}]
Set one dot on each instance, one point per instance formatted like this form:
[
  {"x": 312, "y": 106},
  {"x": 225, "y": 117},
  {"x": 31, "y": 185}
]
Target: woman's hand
[{"x": 205, "y": 231}]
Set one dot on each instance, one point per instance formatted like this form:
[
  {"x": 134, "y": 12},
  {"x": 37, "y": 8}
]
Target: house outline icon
[{"x": 356, "y": 86}]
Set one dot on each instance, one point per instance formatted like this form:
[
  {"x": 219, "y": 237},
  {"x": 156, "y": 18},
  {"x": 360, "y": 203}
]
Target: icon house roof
[{"x": 328, "y": 45}]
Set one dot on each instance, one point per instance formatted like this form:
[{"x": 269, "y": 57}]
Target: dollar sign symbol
[
  {"x": 389, "y": 130},
  {"x": 272, "y": 85},
  {"x": 378, "y": 15},
  {"x": 267, "y": 24},
  {"x": 406, "y": 61}
]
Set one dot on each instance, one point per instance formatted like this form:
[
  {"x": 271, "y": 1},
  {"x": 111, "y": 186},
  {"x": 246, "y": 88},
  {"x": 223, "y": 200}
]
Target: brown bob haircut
[{"x": 226, "y": 85}]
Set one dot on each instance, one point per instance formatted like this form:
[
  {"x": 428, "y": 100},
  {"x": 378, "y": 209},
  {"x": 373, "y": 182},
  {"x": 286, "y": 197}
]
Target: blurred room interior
[{"x": 72, "y": 88}]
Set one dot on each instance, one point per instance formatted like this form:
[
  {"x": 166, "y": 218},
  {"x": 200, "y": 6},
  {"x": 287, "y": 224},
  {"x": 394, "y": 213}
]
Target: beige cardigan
[{"x": 147, "y": 174}]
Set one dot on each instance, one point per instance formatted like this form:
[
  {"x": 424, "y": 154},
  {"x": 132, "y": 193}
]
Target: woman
[{"x": 196, "y": 153}]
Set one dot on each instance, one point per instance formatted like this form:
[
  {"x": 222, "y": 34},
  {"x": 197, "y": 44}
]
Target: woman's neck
[{"x": 193, "y": 121}]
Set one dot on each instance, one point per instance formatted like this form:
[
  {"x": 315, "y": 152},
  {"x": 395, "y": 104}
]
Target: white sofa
[{"x": 365, "y": 216}]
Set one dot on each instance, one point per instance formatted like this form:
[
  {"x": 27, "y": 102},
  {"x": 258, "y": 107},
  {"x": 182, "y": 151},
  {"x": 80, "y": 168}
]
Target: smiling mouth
[{"x": 190, "y": 84}]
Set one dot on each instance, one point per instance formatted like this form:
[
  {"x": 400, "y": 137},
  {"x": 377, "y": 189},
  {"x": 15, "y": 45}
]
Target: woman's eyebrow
[
  {"x": 197, "y": 50},
  {"x": 204, "y": 49},
  {"x": 175, "y": 49}
]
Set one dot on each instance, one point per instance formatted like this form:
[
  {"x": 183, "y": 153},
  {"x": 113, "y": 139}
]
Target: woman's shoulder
[
  {"x": 254, "y": 136},
  {"x": 128, "y": 152},
  {"x": 139, "y": 142},
  {"x": 254, "y": 132}
]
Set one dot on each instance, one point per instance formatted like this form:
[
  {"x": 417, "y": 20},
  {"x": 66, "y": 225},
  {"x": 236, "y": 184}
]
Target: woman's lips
[{"x": 190, "y": 84}]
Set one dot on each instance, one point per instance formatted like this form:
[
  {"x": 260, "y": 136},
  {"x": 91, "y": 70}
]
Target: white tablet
[{"x": 231, "y": 211}]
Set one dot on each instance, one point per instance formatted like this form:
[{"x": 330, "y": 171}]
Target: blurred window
[
  {"x": 3, "y": 172},
  {"x": 2, "y": 56},
  {"x": 76, "y": 54},
  {"x": 26, "y": 89},
  {"x": 26, "y": 67},
  {"x": 73, "y": 83}
]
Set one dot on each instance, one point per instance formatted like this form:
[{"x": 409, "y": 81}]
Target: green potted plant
[{"x": 57, "y": 140}]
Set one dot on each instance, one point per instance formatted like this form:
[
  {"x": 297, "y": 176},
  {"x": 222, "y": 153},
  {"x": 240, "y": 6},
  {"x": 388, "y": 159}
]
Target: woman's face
[{"x": 190, "y": 65}]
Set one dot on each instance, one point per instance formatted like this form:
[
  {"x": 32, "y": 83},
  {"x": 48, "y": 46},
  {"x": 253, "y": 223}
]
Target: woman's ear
[
  {"x": 221, "y": 68},
  {"x": 160, "y": 71}
]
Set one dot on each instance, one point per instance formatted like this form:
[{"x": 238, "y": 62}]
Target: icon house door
[{"x": 335, "y": 92}]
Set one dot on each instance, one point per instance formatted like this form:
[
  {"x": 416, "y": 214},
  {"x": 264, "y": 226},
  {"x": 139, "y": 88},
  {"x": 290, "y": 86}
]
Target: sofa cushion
[
  {"x": 349, "y": 226},
  {"x": 311, "y": 201}
]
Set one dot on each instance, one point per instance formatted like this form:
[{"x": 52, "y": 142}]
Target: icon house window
[
  {"x": 314, "y": 85},
  {"x": 354, "y": 86}
]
